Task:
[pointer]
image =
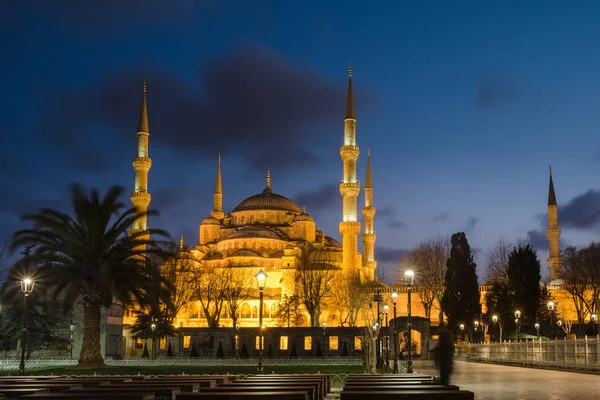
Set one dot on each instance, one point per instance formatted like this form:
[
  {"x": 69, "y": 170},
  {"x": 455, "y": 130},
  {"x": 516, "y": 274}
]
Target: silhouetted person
[{"x": 445, "y": 353}]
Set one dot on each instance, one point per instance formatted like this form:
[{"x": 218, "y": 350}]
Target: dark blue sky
[{"x": 463, "y": 104}]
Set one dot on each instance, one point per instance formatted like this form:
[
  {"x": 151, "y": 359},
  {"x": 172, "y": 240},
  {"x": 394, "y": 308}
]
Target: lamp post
[
  {"x": 499, "y": 321},
  {"x": 324, "y": 325},
  {"x": 261, "y": 282},
  {"x": 72, "y": 328},
  {"x": 551, "y": 306},
  {"x": 594, "y": 318},
  {"x": 518, "y": 322},
  {"x": 537, "y": 328},
  {"x": 386, "y": 336},
  {"x": 395, "y": 302},
  {"x": 559, "y": 323},
  {"x": 153, "y": 328},
  {"x": 237, "y": 340},
  {"x": 26, "y": 288},
  {"x": 409, "y": 277},
  {"x": 475, "y": 326},
  {"x": 378, "y": 298}
]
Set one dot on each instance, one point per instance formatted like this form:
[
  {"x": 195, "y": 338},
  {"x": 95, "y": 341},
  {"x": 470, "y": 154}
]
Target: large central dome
[{"x": 267, "y": 200}]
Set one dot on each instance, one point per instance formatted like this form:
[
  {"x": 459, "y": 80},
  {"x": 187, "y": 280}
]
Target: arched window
[
  {"x": 254, "y": 312},
  {"x": 273, "y": 310},
  {"x": 246, "y": 312}
]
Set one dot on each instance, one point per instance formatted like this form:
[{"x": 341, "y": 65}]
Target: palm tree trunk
[{"x": 90, "y": 348}]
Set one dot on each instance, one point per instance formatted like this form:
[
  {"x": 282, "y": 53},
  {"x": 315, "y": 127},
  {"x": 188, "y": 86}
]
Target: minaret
[
  {"x": 369, "y": 263},
  {"x": 350, "y": 188},
  {"x": 218, "y": 196},
  {"x": 553, "y": 233},
  {"x": 140, "y": 198}
]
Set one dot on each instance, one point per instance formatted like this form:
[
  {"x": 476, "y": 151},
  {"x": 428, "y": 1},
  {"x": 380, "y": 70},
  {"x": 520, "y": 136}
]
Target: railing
[
  {"x": 13, "y": 364},
  {"x": 582, "y": 354}
]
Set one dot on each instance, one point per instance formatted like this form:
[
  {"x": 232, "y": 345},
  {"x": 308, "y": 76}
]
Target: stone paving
[{"x": 495, "y": 382}]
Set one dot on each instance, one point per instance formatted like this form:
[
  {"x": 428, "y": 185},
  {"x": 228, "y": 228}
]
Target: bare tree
[
  {"x": 497, "y": 261},
  {"x": 313, "y": 281},
  {"x": 349, "y": 294},
  {"x": 574, "y": 280},
  {"x": 211, "y": 284},
  {"x": 236, "y": 290},
  {"x": 370, "y": 334},
  {"x": 179, "y": 272},
  {"x": 428, "y": 260}
]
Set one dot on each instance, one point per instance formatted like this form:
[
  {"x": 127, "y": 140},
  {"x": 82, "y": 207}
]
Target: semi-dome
[
  {"x": 210, "y": 220},
  {"x": 303, "y": 217},
  {"x": 267, "y": 200},
  {"x": 245, "y": 253},
  {"x": 329, "y": 241},
  {"x": 253, "y": 232}
]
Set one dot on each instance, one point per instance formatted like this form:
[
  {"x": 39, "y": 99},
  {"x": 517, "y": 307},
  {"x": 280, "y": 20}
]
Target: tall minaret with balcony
[
  {"x": 369, "y": 263},
  {"x": 350, "y": 188},
  {"x": 140, "y": 198},
  {"x": 553, "y": 233},
  {"x": 218, "y": 195}
]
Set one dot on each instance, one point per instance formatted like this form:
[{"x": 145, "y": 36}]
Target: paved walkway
[{"x": 495, "y": 382}]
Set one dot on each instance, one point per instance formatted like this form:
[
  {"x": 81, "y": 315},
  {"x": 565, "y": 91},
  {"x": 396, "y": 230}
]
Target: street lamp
[
  {"x": 551, "y": 306},
  {"x": 261, "y": 282},
  {"x": 153, "y": 327},
  {"x": 537, "y": 328},
  {"x": 499, "y": 321},
  {"x": 518, "y": 322},
  {"x": 594, "y": 318},
  {"x": 395, "y": 302},
  {"x": 324, "y": 325},
  {"x": 386, "y": 310},
  {"x": 26, "y": 287},
  {"x": 409, "y": 277},
  {"x": 72, "y": 328}
]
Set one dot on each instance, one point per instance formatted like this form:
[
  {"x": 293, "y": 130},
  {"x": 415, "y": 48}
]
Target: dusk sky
[{"x": 464, "y": 104}]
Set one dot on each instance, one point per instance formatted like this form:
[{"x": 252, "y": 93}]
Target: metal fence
[
  {"x": 13, "y": 364},
  {"x": 581, "y": 354}
]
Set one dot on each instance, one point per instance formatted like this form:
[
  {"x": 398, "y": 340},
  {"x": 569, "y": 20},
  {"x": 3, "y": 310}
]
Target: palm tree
[{"x": 90, "y": 256}]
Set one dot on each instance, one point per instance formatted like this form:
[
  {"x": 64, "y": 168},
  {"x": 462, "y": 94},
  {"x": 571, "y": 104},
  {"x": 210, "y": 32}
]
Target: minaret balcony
[
  {"x": 349, "y": 152},
  {"x": 349, "y": 189},
  {"x": 368, "y": 212},
  {"x": 142, "y": 163},
  {"x": 140, "y": 199}
]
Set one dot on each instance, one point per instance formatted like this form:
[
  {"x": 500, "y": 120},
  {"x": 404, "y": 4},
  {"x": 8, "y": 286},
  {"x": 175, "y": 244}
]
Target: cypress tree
[
  {"x": 524, "y": 281},
  {"x": 461, "y": 301}
]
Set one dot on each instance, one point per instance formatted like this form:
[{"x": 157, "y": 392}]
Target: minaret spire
[
  {"x": 553, "y": 233},
  {"x": 218, "y": 195},
  {"x": 140, "y": 198},
  {"x": 369, "y": 237},
  {"x": 350, "y": 188},
  {"x": 350, "y": 113}
]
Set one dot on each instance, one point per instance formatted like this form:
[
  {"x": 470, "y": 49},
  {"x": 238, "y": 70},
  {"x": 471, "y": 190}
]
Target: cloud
[
  {"x": 537, "y": 239},
  {"x": 388, "y": 254},
  {"x": 388, "y": 215},
  {"x": 495, "y": 93},
  {"x": 326, "y": 197},
  {"x": 581, "y": 212},
  {"x": 471, "y": 223},
  {"x": 441, "y": 217},
  {"x": 251, "y": 98},
  {"x": 106, "y": 14}
]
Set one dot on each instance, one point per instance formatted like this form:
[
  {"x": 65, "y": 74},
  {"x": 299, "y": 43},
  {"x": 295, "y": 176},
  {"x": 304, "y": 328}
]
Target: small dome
[
  {"x": 210, "y": 220},
  {"x": 267, "y": 200},
  {"x": 329, "y": 241},
  {"x": 253, "y": 232},
  {"x": 303, "y": 217},
  {"x": 213, "y": 256},
  {"x": 245, "y": 253}
]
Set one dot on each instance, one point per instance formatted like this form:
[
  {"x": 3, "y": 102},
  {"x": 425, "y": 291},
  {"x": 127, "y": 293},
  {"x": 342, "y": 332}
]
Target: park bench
[
  {"x": 319, "y": 386},
  {"x": 311, "y": 390},
  {"x": 379, "y": 387},
  {"x": 162, "y": 392},
  {"x": 16, "y": 391},
  {"x": 408, "y": 394},
  {"x": 283, "y": 395},
  {"x": 323, "y": 380},
  {"x": 91, "y": 396},
  {"x": 52, "y": 387}
]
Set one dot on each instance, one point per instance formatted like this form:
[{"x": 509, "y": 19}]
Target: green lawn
[{"x": 195, "y": 369}]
